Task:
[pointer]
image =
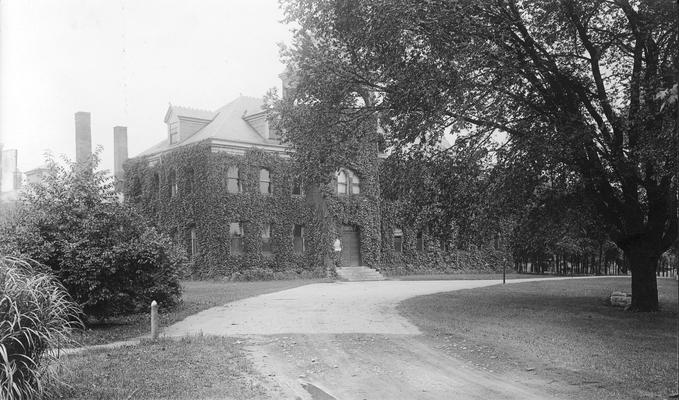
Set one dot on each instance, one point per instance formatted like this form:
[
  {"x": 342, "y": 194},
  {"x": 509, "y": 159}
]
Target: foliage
[
  {"x": 37, "y": 317},
  {"x": 105, "y": 253},
  {"x": 209, "y": 209},
  {"x": 558, "y": 221},
  {"x": 580, "y": 86},
  {"x": 325, "y": 123},
  {"x": 451, "y": 192}
]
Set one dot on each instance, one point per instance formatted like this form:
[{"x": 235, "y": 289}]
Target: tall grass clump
[{"x": 36, "y": 318}]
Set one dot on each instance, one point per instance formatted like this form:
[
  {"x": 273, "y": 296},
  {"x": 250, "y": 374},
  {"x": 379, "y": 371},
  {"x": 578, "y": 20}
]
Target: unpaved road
[{"x": 346, "y": 341}]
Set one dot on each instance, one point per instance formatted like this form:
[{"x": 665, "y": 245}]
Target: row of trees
[{"x": 580, "y": 96}]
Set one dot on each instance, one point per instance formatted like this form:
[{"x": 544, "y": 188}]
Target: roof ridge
[{"x": 192, "y": 108}]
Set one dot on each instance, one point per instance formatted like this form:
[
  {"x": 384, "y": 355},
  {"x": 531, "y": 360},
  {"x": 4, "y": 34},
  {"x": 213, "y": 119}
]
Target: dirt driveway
[{"x": 346, "y": 341}]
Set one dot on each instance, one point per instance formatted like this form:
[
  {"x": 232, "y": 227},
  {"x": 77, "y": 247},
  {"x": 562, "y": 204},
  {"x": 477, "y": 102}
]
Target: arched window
[
  {"x": 264, "y": 181},
  {"x": 342, "y": 182},
  {"x": 233, "y": 183},
  {"x": 347, "y": 182},
  {"x": 355, "y": 184}
]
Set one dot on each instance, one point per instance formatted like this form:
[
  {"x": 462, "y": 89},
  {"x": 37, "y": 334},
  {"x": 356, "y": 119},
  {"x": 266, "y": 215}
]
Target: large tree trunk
[
  {"x": 644, "y": 284},
  {"x": 315, "y": 198}
]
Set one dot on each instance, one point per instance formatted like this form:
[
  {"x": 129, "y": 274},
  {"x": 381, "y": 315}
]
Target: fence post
[{"x": 154, "y": 320}]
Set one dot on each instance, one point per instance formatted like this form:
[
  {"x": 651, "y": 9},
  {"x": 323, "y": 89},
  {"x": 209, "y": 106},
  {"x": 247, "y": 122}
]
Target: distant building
[
  {"x": 36, "y": 175},
  {"x": 10, "y": 176}
]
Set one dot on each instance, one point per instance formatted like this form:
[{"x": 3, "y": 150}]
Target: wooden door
[{"x": 351, "y": 246}]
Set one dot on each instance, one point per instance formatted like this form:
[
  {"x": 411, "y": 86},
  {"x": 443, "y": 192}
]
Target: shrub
[
  {"x": 37, "y": 316},
  {"x": 109, "y": 258},
  {"x": 117, "y": 264}
]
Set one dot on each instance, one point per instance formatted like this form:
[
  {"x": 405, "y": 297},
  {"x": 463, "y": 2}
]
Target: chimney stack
[
  {"x": 83, "y": 137},
  {"x": 119, "y": 155},
  {"x": 288, "y": 81},
  {"x": 8, "y": 170}
]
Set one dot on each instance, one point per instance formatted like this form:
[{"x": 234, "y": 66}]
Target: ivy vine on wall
[{"x": 202, "y": 202}]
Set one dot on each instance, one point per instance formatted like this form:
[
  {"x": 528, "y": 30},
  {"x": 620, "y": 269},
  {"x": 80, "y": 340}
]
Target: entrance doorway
[{"x": 351, "y": 246}]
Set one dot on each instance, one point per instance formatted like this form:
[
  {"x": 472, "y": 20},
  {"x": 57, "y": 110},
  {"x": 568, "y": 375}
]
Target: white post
[{"x": 154, "y": 320}]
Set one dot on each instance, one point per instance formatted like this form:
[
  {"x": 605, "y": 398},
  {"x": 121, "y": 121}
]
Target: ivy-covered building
[{"x": 223, "y": 185}]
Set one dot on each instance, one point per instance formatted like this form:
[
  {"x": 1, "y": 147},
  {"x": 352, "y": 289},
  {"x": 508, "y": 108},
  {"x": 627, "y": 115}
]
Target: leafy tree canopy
[
  {"x": 589, "y": 87},
  {"x": 104, "y": 252}
]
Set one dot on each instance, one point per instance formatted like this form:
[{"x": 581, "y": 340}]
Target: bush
[
  {"x": 109, "y": 258},
  {"x": 116, "y": 264},
  {"x": 37, "y": 316}
]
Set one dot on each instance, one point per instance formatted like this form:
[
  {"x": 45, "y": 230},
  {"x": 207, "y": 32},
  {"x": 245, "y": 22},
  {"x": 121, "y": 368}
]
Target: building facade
[{"x": 223, "y": 185}]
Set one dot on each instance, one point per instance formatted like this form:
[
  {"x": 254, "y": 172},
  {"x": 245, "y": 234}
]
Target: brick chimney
[
  {"x": 83, "y": 137},
  {"x": 288, "y": 81},
  {"x": 119, "y": 155}
]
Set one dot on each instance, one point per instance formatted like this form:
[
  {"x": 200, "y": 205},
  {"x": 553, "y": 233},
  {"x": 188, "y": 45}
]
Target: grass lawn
[
  {"x": 197, "y": 296},
  {"x": 191, "y": 368},
  {"x": 562, "y": 330}
]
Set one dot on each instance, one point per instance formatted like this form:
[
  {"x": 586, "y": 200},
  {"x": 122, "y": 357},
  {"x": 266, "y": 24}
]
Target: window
[
  {"x": 264, "y": 181},
  {"x": 173, "y": 130},
  {"x": 172, "y": 182},
  {"x": 298, "y": 239},
  {"x": 189, "y": 180},
  {"x": 342, "y": 182},
  {"x": 135, "y": 188},
  {"x": 297, "y": 186},
  {"x": 274, "y": 134},
  {"x": 193, "y": 249},
  {"x": 347, "y": 182},
  {"x": 355, "y": 187},
  {"x": 156, "y": 185},
  {"x": 266, "y": 240},
  {"x": 419, "y": 245},
  {"x": 398, "y": 240},
  {"x": 236, "y": 235},
  {"x": 233, "y": 182}
]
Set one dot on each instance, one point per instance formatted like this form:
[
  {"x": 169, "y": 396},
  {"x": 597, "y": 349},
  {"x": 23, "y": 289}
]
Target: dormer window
[
  {"x": 260, "y": 123},
  {"x": 347, "y": 182},
  {"x": 184, "y": 122}
]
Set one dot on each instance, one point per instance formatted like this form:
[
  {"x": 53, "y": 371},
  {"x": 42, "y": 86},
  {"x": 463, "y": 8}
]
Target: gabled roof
[
  {"x": 228, "y": 125},
  {"x": 188, "y": 112}
]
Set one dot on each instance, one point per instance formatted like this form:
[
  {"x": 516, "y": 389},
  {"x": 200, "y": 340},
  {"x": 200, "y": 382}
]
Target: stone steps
[{"x": 354, "y": 274}]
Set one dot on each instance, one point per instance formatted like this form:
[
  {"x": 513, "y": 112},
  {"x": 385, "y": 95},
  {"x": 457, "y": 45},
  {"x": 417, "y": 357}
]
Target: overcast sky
[{"x": 124, "y": 61}]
